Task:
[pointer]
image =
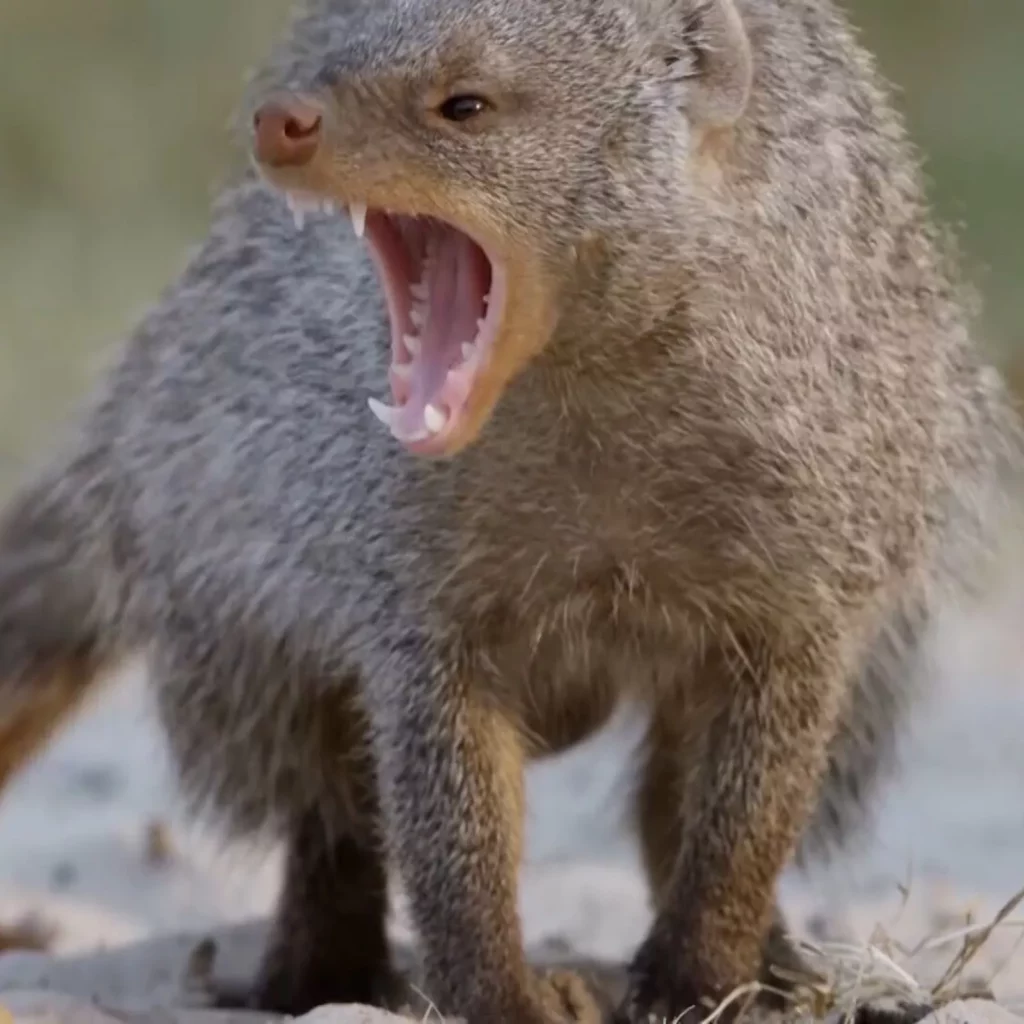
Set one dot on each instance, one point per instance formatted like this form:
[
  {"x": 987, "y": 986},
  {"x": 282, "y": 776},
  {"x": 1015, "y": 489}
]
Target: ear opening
[{"x": 724, "y": 65}]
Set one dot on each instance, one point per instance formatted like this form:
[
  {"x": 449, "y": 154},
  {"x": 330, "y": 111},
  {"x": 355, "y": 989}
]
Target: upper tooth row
[{"x": 300, "y": 206}]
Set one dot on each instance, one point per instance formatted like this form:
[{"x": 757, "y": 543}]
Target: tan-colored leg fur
[
  {"x": 720, "y": 812},
  {"x": 661, "y": 825}
]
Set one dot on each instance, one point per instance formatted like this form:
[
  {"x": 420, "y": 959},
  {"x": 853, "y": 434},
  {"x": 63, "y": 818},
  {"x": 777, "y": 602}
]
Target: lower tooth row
[
  {"x": 414, "y": 345},
  {"x": 434, "y": 420}
]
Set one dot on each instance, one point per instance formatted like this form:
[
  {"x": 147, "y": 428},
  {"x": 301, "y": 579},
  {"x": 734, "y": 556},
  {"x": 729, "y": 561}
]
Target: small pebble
[
  {"x": 64, "y": 875},
  {"x": 31, "y": 933},
  {"x": 159, "y": 847}
]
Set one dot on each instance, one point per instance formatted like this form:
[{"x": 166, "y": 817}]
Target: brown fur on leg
[
  {"x": 744, "y": 803},
  {"x": 329, "y": 943},
  {"x": 660, "y": 826}
]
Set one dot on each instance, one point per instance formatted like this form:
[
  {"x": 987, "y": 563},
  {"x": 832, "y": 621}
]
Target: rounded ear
[
  {"x": 715, "y": 59},
  {"x": 725, "y": 64}
]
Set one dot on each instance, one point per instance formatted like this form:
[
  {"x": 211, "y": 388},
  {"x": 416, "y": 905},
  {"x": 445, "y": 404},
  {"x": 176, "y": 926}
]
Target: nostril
[
  {"x": 286, "y": 134},
  {"x": 297, "y": 129}
]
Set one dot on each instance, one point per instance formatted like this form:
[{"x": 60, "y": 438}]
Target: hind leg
[
  {"x": 274, "y": 748},
  {"x": 328, "y": 942}
]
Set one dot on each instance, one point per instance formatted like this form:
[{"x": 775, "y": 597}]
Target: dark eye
[{"x": 463, "y": 108}]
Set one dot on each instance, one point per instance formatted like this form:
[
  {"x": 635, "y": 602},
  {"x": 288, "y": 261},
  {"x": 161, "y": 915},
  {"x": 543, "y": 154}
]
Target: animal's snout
[{"x": 287, "y": 134}]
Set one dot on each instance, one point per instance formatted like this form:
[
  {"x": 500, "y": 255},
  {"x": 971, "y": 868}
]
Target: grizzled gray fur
[{"x": 750, "y": 446}]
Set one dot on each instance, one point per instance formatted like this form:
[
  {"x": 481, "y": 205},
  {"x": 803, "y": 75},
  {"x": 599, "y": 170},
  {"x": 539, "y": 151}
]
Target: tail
[
  {"x": 58, "y": 598},
  {"x": 864, "y": 750},
  {"x": 985, "y": 505}
]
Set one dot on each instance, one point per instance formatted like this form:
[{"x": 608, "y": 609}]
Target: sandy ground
[{"x": 77, "y": 846}]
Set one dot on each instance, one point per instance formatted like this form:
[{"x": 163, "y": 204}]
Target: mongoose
[{"x": 683, "y": 410}]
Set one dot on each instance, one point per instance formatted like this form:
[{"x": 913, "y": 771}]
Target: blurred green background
[{"x": 113, "y": 119}]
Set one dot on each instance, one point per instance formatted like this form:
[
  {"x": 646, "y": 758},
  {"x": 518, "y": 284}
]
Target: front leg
[
  {"x": 744, "y": 805},
  {"x": 451, "y": 770},
  {"x": 672, "y": 749}
]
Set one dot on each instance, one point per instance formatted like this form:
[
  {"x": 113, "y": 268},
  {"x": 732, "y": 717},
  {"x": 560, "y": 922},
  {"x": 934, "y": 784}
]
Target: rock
[
  {"x": 349, "y": 1015},
  {"x": 31, "y": 932},
  {"x": 38, "y": 1007},
  {"x": 156, "y": 973},
  {"x": 972, "y": 1011},
  {"x": 168, "y": 980}
]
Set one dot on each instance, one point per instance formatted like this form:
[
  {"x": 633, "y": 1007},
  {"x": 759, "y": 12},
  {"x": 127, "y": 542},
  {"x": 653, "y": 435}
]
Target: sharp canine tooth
[
  {"x": 298, "y": 214},
  {"x": 385, "y": 413},
  {"x": 434, "y": 418},
  {"x": 388, "y": 415},
  {"x": 413, "y": 344},
  {"x": 358, "y": 212}
]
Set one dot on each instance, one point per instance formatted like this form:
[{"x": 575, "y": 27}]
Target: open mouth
[{"x": 445, "y": 295}]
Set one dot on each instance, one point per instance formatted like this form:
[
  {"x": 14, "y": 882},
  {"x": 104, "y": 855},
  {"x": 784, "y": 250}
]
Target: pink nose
[{"x": 286, "y": 135}]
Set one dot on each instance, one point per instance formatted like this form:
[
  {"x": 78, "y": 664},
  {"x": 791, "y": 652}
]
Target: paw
[
  {"x": 566, "y": 997},
  {"x": 663, "y": 987},
  {"x": 784, "y": 970}
]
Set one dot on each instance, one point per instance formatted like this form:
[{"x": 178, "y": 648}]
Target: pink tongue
[{"x": 456, "y": 282}]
